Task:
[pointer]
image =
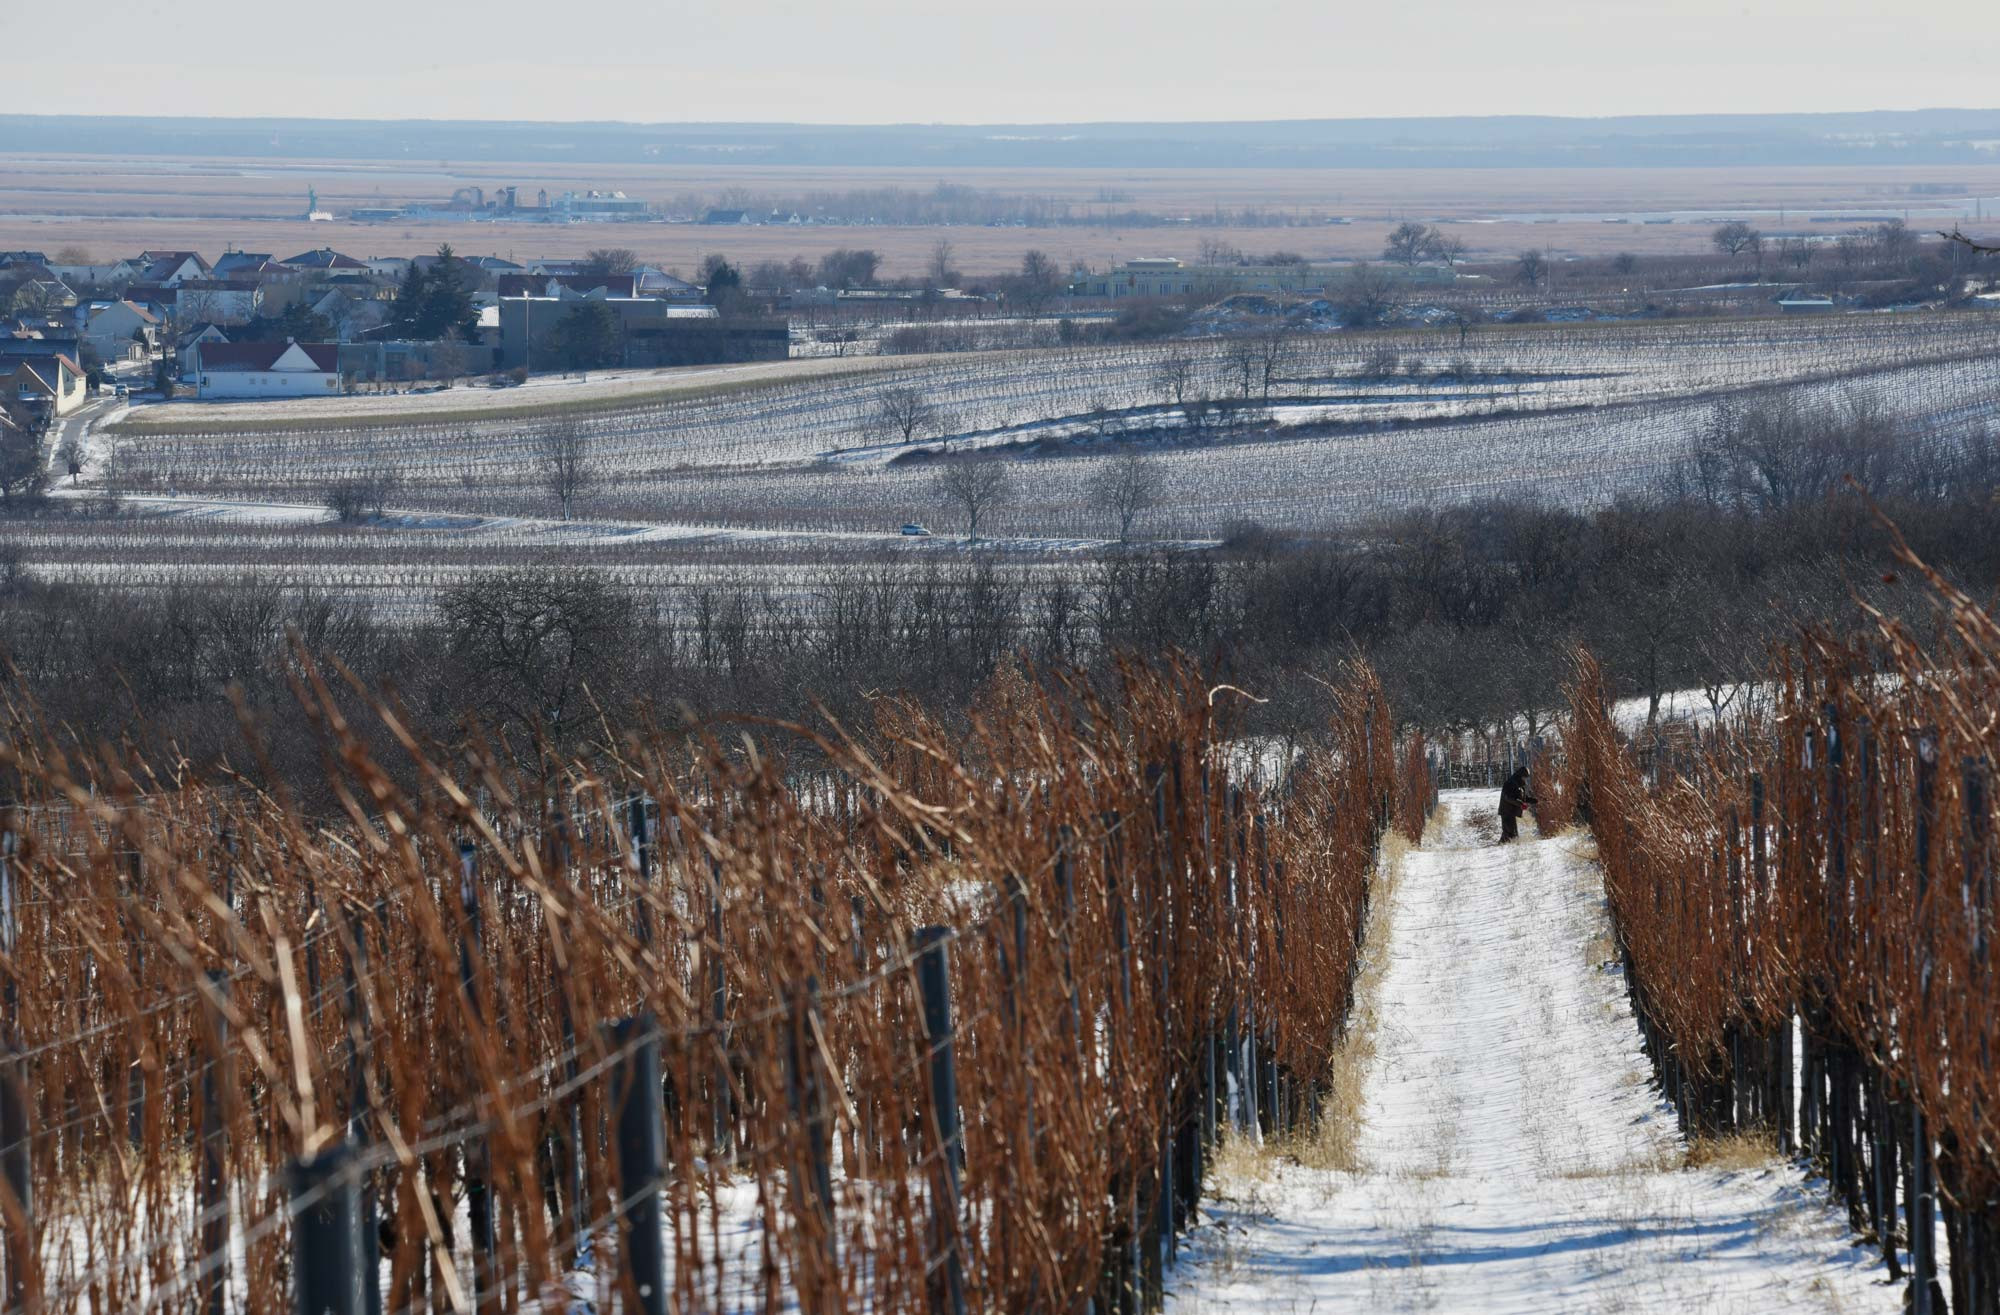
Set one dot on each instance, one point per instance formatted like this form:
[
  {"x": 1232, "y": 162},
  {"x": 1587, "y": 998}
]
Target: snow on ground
[
  {"x": 1515, "y": 1155},
  {"x": 547, "y": 531},
  {"x": 606, "y": 386}
]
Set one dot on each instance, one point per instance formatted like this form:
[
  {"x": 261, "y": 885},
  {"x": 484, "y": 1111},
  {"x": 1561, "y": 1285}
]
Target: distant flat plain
[{"x": 117, "y": 205}]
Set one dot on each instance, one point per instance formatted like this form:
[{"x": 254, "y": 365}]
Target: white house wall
[{"x": 275, "y": 383}]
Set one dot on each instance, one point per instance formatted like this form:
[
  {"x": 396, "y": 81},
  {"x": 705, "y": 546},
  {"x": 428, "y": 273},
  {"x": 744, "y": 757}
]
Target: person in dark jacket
[{"x": 1514, "y": 800}]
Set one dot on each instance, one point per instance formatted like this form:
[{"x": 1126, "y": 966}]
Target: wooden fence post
[
  {"x": 480, "y": 1214},
  {"x": 218, "y": 1086},
  {"x": 724, "y": 1131},
  {"x": 360, "y": 1047},
  {"x": 811, "y": 1168},
  {"x": 1123, "y": 1272},
  {"x": 1160, "y": 1245},
  {"x": 326, "y": 1264},
  {"x": 641, "y": 1139},
  {"x": 947, "y": 1255},
  {"x": 17, "y": 1186},
  {"x": 135, "y": 1076},
  {"x": 1920, "y": 1193}
]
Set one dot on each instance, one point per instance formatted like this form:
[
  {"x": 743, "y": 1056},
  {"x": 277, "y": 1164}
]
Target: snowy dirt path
[{"x": 1514, "y": 1155}]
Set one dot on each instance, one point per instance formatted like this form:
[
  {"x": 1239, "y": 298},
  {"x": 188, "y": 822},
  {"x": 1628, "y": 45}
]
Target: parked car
[
  {"x": 121, "y": 391},
  {"x": 913, "y": 530}
]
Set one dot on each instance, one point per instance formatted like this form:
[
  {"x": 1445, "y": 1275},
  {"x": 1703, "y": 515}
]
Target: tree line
[{"x": 1464, "y": 610}]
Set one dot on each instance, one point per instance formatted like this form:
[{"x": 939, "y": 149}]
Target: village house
[
  {"x": 51, "y": 385},
  {"x": 102, "y": 277},
  {"x": 327, "y": 263},
  {"x": 243, "y": 264},
  {"x": 652, "y": 281},
  {"x": 264, "y": 369},
  {"x": 119, "y": 330},
  {"x": 225, "y": 301},
  {"x": 567, "y": 287},
  {"x": 35, "y": 295},
  {"x": 351, "y": 316},
  {"x": 200, "y": 333},
  {"x": 169, "y": 269}
]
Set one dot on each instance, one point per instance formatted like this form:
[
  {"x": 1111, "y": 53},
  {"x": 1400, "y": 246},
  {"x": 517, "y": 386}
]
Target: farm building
[
  {"x": 265, "y": 369},
  {"x": 653, "y": 332},
  {"x": 599, "y": 205}
]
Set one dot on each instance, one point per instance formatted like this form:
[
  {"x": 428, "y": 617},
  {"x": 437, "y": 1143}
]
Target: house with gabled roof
[
  {"x": 265, "y": 369},
  {"x": 566, "y": 287},
  {"x": 230, "y": 301},
  {"x": 172, "y": 268},
  {"x": 115, "y": 274},
  {"x": 200, "y": 333},
  {"x": 119, "y": 329},
  {"x": 351, "y": 316},
  {"x": 51, "y": 385},
  {"x": 241, "y": 264},
  {"x": 652, "y": 281},
  {"x": 44, "y": 294},
  {"x": 325, "y": 260}
]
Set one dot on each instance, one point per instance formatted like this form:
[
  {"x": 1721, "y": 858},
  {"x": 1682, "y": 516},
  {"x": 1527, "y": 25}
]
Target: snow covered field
[{"x": 1514, "y": 1155}]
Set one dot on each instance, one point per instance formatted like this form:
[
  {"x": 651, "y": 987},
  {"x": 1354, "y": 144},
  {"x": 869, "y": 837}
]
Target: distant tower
[
  {"x": 542, "y": 199},
  {"x": 312, "y": 201}
]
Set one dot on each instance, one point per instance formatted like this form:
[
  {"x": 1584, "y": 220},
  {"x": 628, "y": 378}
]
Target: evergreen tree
[
  {"x": 723, "y": 284},
  {"x": 449, "y": 311},
  {"x": 589, "y": 337},
  {"x": 408, "y": 319}
]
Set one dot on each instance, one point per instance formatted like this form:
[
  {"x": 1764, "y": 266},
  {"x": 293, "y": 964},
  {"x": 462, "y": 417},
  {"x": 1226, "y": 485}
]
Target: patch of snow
[{"x": 1517, "y": 1157}]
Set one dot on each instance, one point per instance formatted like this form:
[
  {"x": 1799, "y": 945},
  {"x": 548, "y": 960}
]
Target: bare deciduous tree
[
  {"x": 1274, "y": 353},
  {"x": 610, "y": 260},
  {"x": 907, "y": 411},
  {"x": 1409, "y": 244},
  {"x": 1244, "y": 355},
  {"x": 359, "y": 497},
  {"x": 975, "y": 487},
  {"x": 1215, "y": 251},
  {"x": 1038, "y": 283},
  {"x": 1737, "y": 238},
  {"x": 1127, "y": 487},
  {"x": 1367, "y": 297},
  {"x": 939, "y": 273},
  {"x": 1173, "y": 374},
  {"x": 1464, "y": 318},
  {"x": 1532, "y": 267},
  {"x": 563, "y": 458}
]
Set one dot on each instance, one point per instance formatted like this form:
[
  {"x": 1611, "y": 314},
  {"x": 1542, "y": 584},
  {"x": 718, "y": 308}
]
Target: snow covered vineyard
[
  {"x": 1337, "y": 427},
  {"x": 1513, "y": 1153}
]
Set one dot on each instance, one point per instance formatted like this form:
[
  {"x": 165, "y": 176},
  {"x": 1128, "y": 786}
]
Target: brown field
[{"x": 119, "y": 205}]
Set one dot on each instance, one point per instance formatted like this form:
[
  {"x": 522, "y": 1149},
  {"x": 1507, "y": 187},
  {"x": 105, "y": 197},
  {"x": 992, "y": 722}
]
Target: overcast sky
[{"x": 994, "y": 61}]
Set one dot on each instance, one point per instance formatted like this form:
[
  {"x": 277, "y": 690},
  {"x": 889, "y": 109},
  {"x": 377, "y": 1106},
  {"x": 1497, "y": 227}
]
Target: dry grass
[
  {"x": 1733, "y": 1152},
  {"x": 129, "y": 203},
  {"x": 1333, "y": 1142}
]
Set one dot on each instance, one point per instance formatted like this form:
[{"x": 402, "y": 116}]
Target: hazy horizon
[{"x": 893, "y": 62}]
